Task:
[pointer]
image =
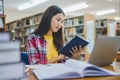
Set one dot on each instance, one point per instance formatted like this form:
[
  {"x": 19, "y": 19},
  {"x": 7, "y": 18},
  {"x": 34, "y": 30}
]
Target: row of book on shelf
[
  {"x": 73, "y": 21},
  {"x": 11, "y": 66},
  {"x": 23, "y": 32},
  {"x": 24, "y": 22},
  {"x": 74, "y": 30}
]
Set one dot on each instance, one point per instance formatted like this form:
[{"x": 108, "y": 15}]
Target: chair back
[{"x": 24, "y": 57}]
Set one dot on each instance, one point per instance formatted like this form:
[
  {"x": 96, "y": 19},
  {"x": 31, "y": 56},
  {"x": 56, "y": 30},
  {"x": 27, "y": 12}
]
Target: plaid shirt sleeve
[{"x": 35, "y": 53}]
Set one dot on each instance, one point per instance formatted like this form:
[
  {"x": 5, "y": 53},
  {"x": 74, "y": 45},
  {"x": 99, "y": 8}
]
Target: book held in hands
[
  {"x": 76, "y": 41},
  {"x": 71, "y": 69}
]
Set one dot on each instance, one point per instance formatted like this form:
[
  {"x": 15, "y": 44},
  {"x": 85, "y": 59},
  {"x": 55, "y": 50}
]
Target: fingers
[
  {"x": 74, "y": 55},
  {"x": 75, "y": 51},
  {"x": 71, "y": 52},
  {"x": 80, "y": 49}
]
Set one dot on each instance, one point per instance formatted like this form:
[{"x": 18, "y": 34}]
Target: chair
[{"x": 24, "y": 57}]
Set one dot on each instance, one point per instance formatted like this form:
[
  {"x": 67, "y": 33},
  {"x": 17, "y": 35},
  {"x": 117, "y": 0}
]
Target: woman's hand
[
  {"x": 75, "y": 52},
  {"x": 61, "y": 56}
]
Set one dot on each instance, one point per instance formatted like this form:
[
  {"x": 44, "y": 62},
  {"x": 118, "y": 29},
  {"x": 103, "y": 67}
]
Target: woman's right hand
[{"x": 61, "y": 56}]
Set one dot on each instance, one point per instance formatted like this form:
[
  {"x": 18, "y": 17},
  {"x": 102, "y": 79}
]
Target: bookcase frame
[{"x": 3, "y": 22}]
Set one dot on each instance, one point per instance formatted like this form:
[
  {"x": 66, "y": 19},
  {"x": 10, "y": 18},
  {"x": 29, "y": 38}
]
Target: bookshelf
[
  {"x": 2, "y": 23},
  {"x": 105, "y": 27},
  {"x": 73, "y": 26},
  {"x": 118, "y": 29},
  {"x": 20, "y": 29},
  {"x": 81, "y": 25}
]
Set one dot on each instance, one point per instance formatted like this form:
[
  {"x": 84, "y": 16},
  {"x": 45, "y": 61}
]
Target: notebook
[{"x": 104, "y": 51}]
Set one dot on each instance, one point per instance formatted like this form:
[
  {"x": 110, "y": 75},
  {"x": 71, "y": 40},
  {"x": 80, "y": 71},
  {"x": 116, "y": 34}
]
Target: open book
[
  {"x": 71, "y": 69},
  {"x": 76, "y": 41}
]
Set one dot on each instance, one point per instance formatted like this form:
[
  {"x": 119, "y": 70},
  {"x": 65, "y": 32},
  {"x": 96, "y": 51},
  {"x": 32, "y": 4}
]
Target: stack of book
[{"x": 11, "y": 66}]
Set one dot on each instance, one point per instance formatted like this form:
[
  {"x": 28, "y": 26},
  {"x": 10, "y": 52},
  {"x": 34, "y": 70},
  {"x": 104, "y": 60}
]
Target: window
[{"x": 1, "y": 7}]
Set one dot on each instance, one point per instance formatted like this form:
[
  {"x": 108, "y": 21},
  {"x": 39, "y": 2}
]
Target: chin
[{"x": 55, "y": 30}]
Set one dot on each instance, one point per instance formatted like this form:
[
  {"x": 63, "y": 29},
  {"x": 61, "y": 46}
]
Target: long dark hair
[{"x": 45, "y": 23}]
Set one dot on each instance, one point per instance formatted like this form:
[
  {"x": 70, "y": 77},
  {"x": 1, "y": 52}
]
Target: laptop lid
[{"x": 104, "y": 51}]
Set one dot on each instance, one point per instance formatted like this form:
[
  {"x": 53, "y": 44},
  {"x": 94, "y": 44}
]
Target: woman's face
[{"x": 56, "y": 22}]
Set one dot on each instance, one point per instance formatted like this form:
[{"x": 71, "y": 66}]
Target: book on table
[
  {"x": 4, "y": 36},
  {"x": 71, "y": 69},
  {"x": 11, "y": 67},
  {"x": 9, "y": 52},
  {"x": 76, "y": 41}
]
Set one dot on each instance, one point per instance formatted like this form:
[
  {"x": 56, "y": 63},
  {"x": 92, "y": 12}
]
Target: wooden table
[{"x": 114, "y": 67}]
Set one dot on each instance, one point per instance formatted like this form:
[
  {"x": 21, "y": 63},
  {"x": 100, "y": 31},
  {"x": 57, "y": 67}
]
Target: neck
[{"x": 49, "y": 32}]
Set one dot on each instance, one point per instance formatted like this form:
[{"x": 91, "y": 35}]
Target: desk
[{"x": 114, "y": 67}]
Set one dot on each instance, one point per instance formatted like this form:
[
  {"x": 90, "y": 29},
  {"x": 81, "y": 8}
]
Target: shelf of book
[
  {"x": 20, "y": 29},
  {"x": 73, "y": 26},
  {"x": 118, "y": 29},
  {"x": 106, "y": 27}
]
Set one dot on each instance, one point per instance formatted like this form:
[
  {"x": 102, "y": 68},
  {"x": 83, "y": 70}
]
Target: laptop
[{"x": 104, "y": 51}]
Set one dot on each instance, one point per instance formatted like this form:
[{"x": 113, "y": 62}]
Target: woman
[{"x": 43, "y": 44}]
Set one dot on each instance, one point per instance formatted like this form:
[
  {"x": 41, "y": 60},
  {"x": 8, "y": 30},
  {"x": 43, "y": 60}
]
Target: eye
[{"x": 58, "y": 19}]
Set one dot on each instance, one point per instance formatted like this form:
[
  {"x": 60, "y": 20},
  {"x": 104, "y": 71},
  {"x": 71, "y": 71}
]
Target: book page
[
  {"x": 37, "y": 66},
  {"x": 77, "y": 65},
  {"x": 86, "y": 69},
  {"x": 56, "y": 71}
]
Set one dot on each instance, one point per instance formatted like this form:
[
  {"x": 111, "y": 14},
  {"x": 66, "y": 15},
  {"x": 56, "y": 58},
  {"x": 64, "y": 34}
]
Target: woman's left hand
[{"x": 75, "y": 52}]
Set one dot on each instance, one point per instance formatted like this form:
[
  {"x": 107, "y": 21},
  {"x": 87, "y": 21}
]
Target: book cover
[
  {"x": 9, "y": 45},
  {"x": 4, "y": 36},
  {"x": 71, "y": 69},
  {"x": 9, "y": 52},
  {"x": 76, "y": 41},
  {"x": 10, "y": 56}
]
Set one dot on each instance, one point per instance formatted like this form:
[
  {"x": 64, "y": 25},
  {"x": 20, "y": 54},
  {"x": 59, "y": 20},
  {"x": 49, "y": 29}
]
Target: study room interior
[{"x": 91, "y": 20}]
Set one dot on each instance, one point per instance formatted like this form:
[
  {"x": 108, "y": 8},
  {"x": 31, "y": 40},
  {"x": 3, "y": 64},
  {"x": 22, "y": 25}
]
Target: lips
[{"x": 57, "y": 28}]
